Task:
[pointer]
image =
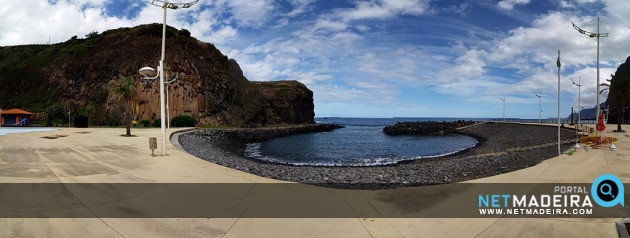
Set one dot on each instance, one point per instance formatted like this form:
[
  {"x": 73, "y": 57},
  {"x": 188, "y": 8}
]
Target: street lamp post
[
  {"x": 559, "y": 65},
  {"x": 579, "y": 85},
  {"x": 598, "y": 35},
  {"x": 539, "y": 109},
  {"x": 503, "y": 99},
  {"x": 168, "y": 110},
  {"x": 164, "y": 4}
]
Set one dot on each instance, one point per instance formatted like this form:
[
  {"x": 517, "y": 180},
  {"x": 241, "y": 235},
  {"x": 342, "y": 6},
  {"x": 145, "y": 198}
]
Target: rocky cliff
[
  {"x": 211, "y": 88},
  {"x": 618, "y": 92}
]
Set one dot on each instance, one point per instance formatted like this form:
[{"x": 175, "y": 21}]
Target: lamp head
[
  {"x": 147, "y": 71},
  {"x": 171, "y": 5},
  {"x": 189, "y": 4}
]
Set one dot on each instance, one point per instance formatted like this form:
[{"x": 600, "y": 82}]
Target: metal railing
[{"x": 544, "y": 121}]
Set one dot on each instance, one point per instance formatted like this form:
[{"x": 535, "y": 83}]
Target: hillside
[{"x": 76, "y": 74}]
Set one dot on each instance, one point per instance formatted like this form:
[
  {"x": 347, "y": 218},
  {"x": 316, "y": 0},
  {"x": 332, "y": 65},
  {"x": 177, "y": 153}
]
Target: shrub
[
  {"x": 183, "y": 121},
  {"x": 156, "y": 123},
  {"x": 112, "y": 122},
  {"x": 91, "y": 34},
  {"x": 185, "y": 32},
  {"x": 56, "y": 114},
  {"x": 145, "y": 123}
]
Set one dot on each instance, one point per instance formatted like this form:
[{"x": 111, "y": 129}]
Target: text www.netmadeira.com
[{"x": 535, "y": 211}]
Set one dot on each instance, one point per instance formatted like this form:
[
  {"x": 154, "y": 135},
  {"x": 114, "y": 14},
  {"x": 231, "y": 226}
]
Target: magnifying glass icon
[{"x": 609, "y": 192}]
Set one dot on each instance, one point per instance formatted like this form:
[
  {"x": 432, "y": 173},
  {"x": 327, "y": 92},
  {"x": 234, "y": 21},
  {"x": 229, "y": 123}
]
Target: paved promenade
[{"x": 99, "y": 155}]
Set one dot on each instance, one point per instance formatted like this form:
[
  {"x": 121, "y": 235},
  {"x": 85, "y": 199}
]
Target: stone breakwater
[
  {"x": 425, "y": 127},
  {"x": 252, "y": 135},
  {"x": 503, "y": 148}
]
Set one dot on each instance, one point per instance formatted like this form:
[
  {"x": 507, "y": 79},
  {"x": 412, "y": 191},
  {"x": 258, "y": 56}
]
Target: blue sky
[{"x": 378, "y": 58}]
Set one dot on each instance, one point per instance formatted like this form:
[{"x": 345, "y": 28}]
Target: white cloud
[
  {"x": 461, "y": 9},
  {"x": 509, "y": 4},
  {"x": 299, "y": 7},
  {"x": 532, "y": 52},
  {"x": 380, "y": 9},
  {"x": 329, "y": 25},
  {"x": 251, "y": 13},
  {"x": 31, "y": 21},
  {"x": 566, "y": 4},
  {"x": 222, "y": 35}
]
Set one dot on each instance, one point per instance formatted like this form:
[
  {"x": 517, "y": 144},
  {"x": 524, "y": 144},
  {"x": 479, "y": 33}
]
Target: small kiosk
[{"x": 15, "y": 117}]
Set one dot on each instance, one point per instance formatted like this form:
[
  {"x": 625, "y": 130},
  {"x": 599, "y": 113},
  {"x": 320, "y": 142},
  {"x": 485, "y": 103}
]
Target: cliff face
[
  {"x": 290, "y": 102},
  {"x": 211, "y": 87},
  {"x": 618, "y": 92}
]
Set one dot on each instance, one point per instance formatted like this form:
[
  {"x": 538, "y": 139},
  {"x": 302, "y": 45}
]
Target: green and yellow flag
[{"x": 558, "y": 61}]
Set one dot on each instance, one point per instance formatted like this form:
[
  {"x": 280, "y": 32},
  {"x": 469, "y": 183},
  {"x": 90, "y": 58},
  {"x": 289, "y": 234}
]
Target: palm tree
[
  {"x": 605, "y": 86},
  {"x": 123, "y": 90}
]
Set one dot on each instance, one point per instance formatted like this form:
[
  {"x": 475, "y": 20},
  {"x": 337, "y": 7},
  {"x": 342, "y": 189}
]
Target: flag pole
[{"x": 558, "y": 64}]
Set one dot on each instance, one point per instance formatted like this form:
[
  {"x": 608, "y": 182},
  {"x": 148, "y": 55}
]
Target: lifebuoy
[{"x": 600, "y": 123}]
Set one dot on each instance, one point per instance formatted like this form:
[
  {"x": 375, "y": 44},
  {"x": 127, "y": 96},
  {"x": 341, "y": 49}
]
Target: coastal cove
[{"x": 503, "y": 147}]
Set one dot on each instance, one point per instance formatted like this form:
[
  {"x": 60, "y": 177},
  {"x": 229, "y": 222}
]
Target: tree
[
  {"x": 122, "y": 91},
  {"x": 91, "y": 34},
  {"x": 605, "y": 87},
  {"x": 56, "y": 113}
]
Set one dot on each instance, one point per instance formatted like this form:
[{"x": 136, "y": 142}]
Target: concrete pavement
[{"x": 101, "y": 155}]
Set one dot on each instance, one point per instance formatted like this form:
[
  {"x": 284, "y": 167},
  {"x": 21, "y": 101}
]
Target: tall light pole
[
  {"x": 539, "y": 108},
  {"x": 558, "y": 64},
  {"x": 503, "y": 99},
  {"x": 579, "y": 85},
  {"x": 168, "y": 110},
  {"x": 598, "y": 35},
  {"x": 164, "y": 4}
]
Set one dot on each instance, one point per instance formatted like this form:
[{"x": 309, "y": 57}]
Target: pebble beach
[{"x": 503, "y": 147}]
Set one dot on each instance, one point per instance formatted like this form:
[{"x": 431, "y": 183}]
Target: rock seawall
[
  {"x": 425, "y": 127},
  {"x": 251, "y": 135}
]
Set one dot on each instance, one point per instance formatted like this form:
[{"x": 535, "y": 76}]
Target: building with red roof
[{"x": 15, "y": 116}]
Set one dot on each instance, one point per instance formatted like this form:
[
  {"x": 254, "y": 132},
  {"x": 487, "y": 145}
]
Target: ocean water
[{"x": 361, "y": 143}]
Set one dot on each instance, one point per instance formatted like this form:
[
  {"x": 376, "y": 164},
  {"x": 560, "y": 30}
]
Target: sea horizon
[{"x": 451, "y": 119}]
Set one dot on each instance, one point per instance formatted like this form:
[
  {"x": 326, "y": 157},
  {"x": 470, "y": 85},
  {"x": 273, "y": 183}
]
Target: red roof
[{"x": 15, "y": 111}]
